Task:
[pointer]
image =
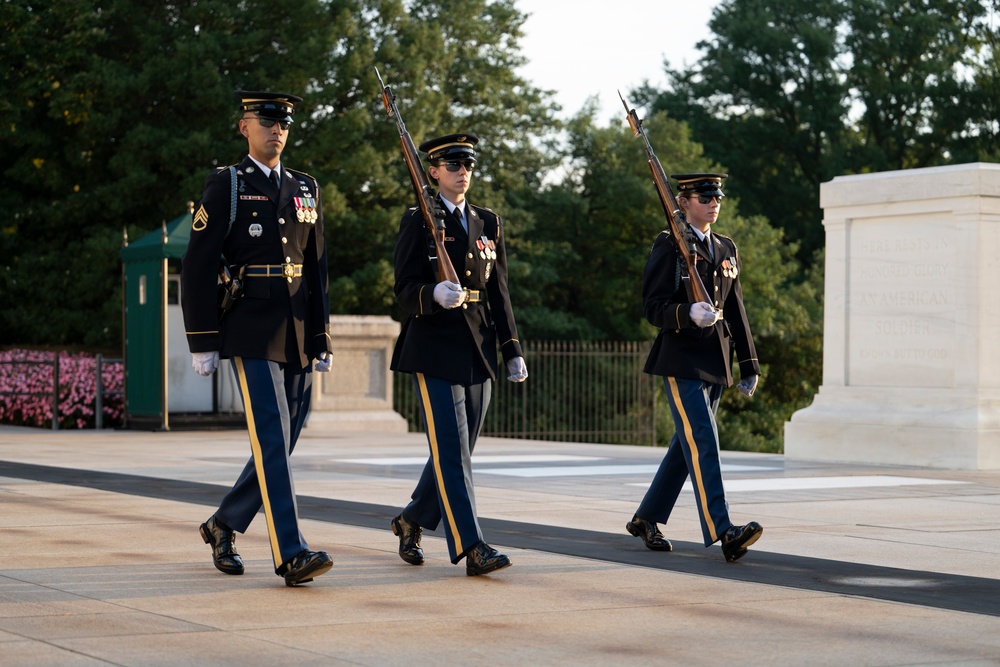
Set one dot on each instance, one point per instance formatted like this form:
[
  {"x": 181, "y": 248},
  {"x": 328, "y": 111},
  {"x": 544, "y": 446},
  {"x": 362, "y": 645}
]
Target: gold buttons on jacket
[
  {"x": 470, "y": 255},
  {"x": 468, "y": 273},
  {"x": 281, "y": 221},
  {"x": 285, "y": 240}
]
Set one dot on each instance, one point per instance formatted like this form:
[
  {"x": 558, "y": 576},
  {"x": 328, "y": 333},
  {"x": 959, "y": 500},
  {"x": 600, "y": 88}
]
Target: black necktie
[
  {"x": 274, "y": 179},
  {"x": 708, "y": 246},
  {"x": 461, "y": 218}
]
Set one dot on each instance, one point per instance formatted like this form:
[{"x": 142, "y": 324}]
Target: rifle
[
  {"x": 695, "y": 287},
  {"x": 425, "y": 196}
]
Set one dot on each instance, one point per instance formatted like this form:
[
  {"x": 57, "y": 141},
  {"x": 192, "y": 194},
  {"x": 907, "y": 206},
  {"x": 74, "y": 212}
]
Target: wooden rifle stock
[
  {"x": 425, "y": 196},
  {"x": 684, "y": 236}
]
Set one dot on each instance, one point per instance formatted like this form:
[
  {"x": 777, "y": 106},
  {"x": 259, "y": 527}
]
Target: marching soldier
[
  {"x": 267, "y": 223},
  {"x": 693, "y": 354},
  {"x": 449, "y": 344}
]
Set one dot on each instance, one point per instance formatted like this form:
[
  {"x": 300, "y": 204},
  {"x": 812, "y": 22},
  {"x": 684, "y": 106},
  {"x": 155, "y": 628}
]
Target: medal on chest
[
  {"x": 305, "y": 209},
  {"x": 729, "y": 269},
  {"x": 488, "y": 251}
]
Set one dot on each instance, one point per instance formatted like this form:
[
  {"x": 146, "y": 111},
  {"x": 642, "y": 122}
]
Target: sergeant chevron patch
[{"x": 200, "y": 220}]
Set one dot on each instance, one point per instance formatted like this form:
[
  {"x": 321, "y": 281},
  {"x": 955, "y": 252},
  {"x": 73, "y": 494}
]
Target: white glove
[
  {"x": 323, "y": 362},
  {"x": 703, "y": 315},
  {"x": 748, "y": 385},
  {"x": 518, "y": 371},
  {"x": 449, "y": 294},
  {"x": 204, "y": 363}
]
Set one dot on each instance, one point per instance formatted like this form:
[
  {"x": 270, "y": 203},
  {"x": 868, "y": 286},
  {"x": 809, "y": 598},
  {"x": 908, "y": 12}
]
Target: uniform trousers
[
  {"x": 453, "y": 415},
  {"x": 694, "y": 453},
  {"x": 276, "y": 403}
]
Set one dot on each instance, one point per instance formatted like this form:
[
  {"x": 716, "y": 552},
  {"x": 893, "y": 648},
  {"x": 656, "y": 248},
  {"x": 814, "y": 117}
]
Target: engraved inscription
[{"x": 901, "y": 281}]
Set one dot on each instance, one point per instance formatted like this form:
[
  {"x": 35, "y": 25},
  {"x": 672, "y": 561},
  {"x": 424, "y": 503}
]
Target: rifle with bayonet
[
  {"x": 679, "y": 227},
  {"x": 425, "y": 196}
]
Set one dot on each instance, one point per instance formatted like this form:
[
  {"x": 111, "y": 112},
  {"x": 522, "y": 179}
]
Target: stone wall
[{"x": 356, "y": 395}]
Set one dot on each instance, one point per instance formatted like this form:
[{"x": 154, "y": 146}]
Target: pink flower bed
[{"x": 26, "y": 389}]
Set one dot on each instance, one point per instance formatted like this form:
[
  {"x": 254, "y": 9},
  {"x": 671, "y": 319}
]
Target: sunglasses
[
  {"x": 269, "y": 122},
  {"x": 704, "y": 199},
  {"x": 458, "y": 164}
]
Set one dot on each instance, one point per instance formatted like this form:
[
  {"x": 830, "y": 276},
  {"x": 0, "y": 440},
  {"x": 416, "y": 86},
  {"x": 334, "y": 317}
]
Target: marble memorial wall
[{"x": 911, "y": 330}]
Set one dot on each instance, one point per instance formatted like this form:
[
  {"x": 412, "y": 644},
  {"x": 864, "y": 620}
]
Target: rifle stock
[
  {"x": 425, "y": 196},
  {"x": 683, "y": 235}
]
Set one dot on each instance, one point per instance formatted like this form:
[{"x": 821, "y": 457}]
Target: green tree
[
  {"x": 115, "y": 113},
  {"x": 132, "y": 104},
  {"x": 909, "y": 72},
  {"x": 767, "y": 100},
  {"x": 791, "y": 94},
  {"x": 600, "y": 224},
  {"x": 980, "y": 138},
  {"x": 601, "y": 220},
  {"x": 452, "y": 68}
]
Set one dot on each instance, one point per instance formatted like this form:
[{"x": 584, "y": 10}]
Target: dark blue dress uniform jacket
[
  {"x": 459, "y": 344},
  {"x": 682, "y": 349},
  {"x": 276, "y": 319}
]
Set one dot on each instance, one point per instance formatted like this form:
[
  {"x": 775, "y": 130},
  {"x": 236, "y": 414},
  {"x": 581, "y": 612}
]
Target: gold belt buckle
[{"x": 288, "y": 270}]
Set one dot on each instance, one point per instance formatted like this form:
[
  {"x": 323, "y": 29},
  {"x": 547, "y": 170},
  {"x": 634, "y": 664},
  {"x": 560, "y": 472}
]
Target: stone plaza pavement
[{"x": 101, "y": 562}]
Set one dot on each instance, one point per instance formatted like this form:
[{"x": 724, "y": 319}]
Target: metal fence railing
[{"x": 578, "y": 391}]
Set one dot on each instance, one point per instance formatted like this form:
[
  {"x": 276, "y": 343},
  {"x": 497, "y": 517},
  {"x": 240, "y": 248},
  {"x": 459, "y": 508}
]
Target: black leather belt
[{"x": 273, "y": 271}]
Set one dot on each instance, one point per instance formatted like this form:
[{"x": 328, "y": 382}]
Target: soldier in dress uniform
[
  {"x": 266, "y": 223},
  {"x": 693, "y": 355},
  {"x": 449, "y": 343}
]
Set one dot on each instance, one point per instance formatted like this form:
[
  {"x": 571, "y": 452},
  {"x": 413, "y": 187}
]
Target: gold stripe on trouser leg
[
  {"x": 695, "y": 461},
  {"x": 258, "y": 460},
  {"x": 436, "y": 457}
]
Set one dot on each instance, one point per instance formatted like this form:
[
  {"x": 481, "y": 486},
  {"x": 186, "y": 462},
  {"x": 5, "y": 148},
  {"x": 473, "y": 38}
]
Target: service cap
[
  {"x": 451, "y": 147},
  {"x": 278, "y": 106},
  {"x": 699, "y": 184}
]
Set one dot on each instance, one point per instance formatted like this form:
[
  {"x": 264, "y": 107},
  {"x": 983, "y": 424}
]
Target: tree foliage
[
  {"x": 132, "y": 104},
  {"x": 601, "y": 221},
  {"x": 115, "y": 110},
  {"x": 792, "y": 94},
  {"x": 114, "y": 119}
]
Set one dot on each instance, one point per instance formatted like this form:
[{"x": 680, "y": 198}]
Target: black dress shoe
[
  {"x": 736, "y": 540},
  {"x": 306, "y": 566},
  {"x": 409, "y": 540},
  {"x": 650, "y": 534},
  {"x": 223, "y": 543},
  {"x": 483, "y": 559}
]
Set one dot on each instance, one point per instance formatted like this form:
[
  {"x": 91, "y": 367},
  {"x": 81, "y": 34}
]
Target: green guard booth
[{"x": 161, "y": 388}]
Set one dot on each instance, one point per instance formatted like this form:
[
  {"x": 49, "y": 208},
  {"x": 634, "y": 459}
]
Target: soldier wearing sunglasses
[
  {"x": 693, "y": 355},
  {"x": 267, "y": 223},
  {"x": 449, "y": 343}
]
